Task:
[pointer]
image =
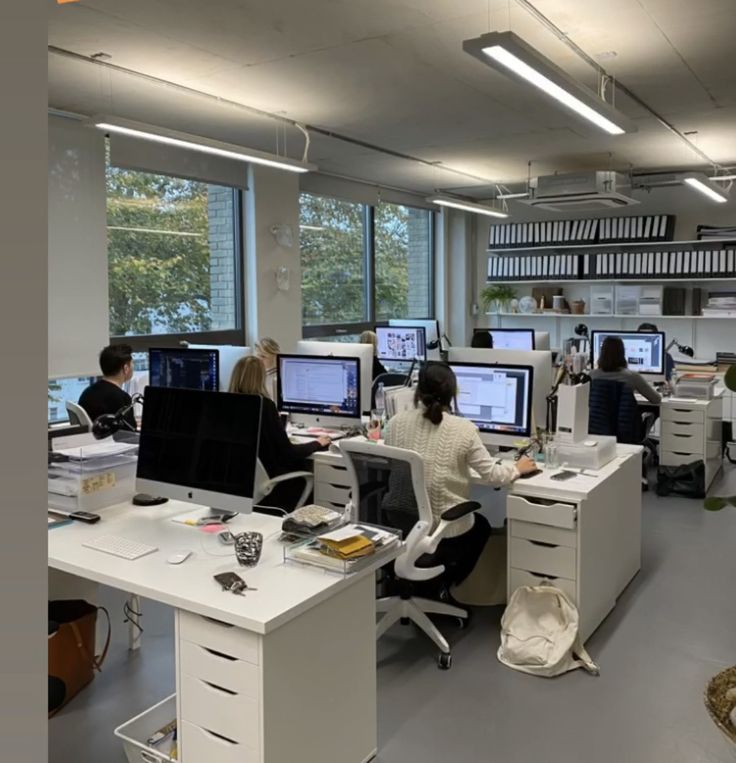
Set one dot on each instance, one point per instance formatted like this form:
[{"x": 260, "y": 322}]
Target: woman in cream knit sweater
[{"x": 450, "y": 446}]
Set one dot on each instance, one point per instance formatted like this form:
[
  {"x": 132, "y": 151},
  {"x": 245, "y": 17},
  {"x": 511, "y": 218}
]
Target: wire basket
[{"x": 719, "y": 707}]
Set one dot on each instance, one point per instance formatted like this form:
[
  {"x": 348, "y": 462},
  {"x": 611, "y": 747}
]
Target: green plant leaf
[{"x": 714, "y": 503}]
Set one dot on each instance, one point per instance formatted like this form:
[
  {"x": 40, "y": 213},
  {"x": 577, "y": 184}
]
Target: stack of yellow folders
[{"x": 346, "y": 543}]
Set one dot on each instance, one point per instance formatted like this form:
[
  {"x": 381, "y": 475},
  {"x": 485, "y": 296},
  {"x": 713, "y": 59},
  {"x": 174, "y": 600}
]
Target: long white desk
[{"x": 284, "y": 673}]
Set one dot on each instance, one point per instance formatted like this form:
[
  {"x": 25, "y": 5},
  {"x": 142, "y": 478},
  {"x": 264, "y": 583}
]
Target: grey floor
[{"x": 673, "y": 628}]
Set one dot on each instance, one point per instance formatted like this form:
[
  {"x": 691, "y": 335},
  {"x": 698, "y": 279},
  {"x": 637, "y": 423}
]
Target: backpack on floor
[
  {"x": 687, "y": 480},
  {"x": 539, "y": 633}
]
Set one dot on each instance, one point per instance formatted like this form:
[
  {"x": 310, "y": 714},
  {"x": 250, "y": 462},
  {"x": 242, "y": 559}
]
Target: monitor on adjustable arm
[
  {"x": 319, "y": 391},
  {"x": 364, "y": 352},
  {"x": 230, "y": 354},
  {"x": 497, "y": 399},
  {"x": 401, "y": 344},
  {"x": 645, "y": 352},
  {"x": 431, "y": 328},
  {"x": 183, "y": 368},
  {"x": 199, "y": 447},
  {"x": 539, "y": 360}
]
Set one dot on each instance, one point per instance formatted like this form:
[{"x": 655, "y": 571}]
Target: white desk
[
  {"x": 285, "y": 673},
  {"x": 584, "y": 534}
]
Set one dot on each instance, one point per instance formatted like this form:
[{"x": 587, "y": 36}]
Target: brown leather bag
[{"x": 72, "y": 659}]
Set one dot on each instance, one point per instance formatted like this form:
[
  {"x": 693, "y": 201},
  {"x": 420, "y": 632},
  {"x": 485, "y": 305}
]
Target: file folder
[
  {"x": 650, "y": 264},
  {"x": 639, "y": 228},
  {"x": 658, "y": 263},
  {"x": 722, "y": 264},
  {"x": 686, "y": 263},
  {"x": 566, "y": 230},
  {"x": 730, "y": 261},
  {"x": 663, "y": 226},
  {"x": 625, "y": 264},
  {"x": 586, "y": 266},
  {"x": 545, "y": 267},
  {"x": 647, "y": 229},
  {"x": 678, "y": 263}
]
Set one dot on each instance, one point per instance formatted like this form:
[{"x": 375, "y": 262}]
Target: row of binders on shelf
[
  {"x": 614, "y": 265},
  {"x": 570, "y": 232}
]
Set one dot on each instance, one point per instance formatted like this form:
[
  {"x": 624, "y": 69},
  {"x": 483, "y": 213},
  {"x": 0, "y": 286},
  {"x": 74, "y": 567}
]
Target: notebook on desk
[{"x": 315, "y": 432}]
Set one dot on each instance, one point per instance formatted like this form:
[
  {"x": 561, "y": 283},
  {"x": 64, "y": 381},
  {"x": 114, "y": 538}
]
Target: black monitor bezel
[
  {"x": 186, "y": 350},
  {"x": 618, "y": 332}
]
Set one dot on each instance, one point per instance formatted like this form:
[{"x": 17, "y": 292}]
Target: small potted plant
[{"x": 496, "y": 297}]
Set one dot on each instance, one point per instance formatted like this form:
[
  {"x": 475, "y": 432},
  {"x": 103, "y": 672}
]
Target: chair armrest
[
  {"x": 458, "y": 512},
  {"x": 289, "y": 476}
]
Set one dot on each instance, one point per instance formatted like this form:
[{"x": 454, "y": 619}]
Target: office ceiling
[{"x": 392, "y": 74}]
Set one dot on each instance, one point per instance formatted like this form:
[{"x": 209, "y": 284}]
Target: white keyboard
[{"x": 122, "y": 547}]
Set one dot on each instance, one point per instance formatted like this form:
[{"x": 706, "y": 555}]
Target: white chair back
[{"x": 77, "y": 415}]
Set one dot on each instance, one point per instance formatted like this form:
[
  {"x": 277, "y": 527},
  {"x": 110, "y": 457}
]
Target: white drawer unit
[
  {"x": 331, "y": 483},
  {"x": 544, "y": 533},
  {"x": 332, "y": 474},
  {"x": 543, "y": 558},
  {"x": 219, "y": 637},
  {"x": 331, "y": 494},
  {"x": 519, "y": 578},
  {"x": 207, "y": 747},
  {"x": 541, "y": 511},
  {"x": 691, "y": 431},
  {"x": 231, "y": 673}
]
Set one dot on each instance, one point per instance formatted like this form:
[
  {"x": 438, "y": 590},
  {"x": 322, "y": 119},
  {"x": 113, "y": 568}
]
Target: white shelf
[
  {"x": 657, "y": 280},
  {"x": 614, "y": 246},
  {"x": 580, "y": 316}
]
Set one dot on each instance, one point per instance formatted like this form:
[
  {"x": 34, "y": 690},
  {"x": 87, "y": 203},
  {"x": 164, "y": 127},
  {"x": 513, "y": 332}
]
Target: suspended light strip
[
  {"x": 723, "y": 177},
  {"x": 521, "y": 195},
  {"x": 511, "y": 55},
  {"x": 466, "y": 206},
  {"x": 180, "y": 140},
  {"x": 707, "y": 188}
]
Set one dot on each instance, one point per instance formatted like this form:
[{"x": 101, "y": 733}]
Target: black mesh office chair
[{"x": 388, "y": 488}]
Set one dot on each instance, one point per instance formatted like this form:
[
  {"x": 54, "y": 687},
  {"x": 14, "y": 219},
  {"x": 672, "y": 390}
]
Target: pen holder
[{"x": 248, "y": 547}]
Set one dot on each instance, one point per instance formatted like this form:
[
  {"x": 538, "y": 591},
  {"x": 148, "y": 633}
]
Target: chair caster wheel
[
  {"x": 444, "y": 661},
  {"x": 463, "y": 622},
  {"x": 405, "y": 621}
]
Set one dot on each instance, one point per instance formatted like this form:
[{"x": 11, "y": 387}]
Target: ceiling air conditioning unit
[{"x": 581, "y": 192}]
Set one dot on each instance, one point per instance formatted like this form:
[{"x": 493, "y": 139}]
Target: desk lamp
[
  {"x": 107, "y": 425},
  {"x": 683, "y": 348}
]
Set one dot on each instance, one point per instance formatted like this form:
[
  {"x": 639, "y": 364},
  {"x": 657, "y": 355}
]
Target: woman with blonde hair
[
  {"x": 267, "y": 350},
  {"x": 275, "y": 451},
  {"x": 369, "y": 337}
]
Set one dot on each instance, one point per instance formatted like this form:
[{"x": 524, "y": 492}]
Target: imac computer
[
  {"x": 230, "y": 354},
  {"x": 510, "y": 339},
  {"x": 645, "y": 352},
  {"x": 541, "y": 340},
  {"x": 497, "y": 399},
  {"x": 401, "y": 344},
  {"x": 199, "y": 447},
  {"x": 539, "y": 360},
  {"x": 364, "y": 352},
  {"x": 319, "y": 391},
  {"x": 431, "y": 332},
  {"x": 184, "y": 369}
]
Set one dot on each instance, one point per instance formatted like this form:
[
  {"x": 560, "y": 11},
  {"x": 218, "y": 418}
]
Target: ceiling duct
[{"x": 581, "y": 192}]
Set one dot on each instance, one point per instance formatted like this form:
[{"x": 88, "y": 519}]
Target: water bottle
[{"x": 380, "y": 399}]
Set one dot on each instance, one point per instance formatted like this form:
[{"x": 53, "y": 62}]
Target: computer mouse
[
  {"x": 526, "y": 475},
  {"x": 144, "y": 499},
  {"x": 177, "y": 557}
]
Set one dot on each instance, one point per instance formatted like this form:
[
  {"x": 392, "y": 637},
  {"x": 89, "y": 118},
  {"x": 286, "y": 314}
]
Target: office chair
[
  {"x": 613, "y": 411},
  {"x": 77, "y": 415},
  {"x": 388, "y": 487},
  {"x": 264, "y": 485},
  {"x": 388, "y": 380}
]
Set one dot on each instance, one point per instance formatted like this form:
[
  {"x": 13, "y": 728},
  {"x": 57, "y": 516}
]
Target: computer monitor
[
  {"x": 319, "y": 391},
  {"x": 364, "y": 352},
  {"x": 431, "y": 328},
  {"x": 541, "y": 340},
  {"x": 401, "y": 343},
  {"x": 497, "y": 399},
  {"x": 539, "y": 360},
  {"x": 230, "y": 354},
  {"x": 510, "y": 339},
  {"x": 644, "y": 351},
  {"x": 199, "y": 447},
  {"x": 182, "y": 368}
]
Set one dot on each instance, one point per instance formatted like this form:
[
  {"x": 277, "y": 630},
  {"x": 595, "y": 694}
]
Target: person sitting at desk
[
  {"x": 369, "y": 337},
  {"x": 612, "y": 365},
  {"x": 669, "y": 361},
  {"x": 267, "y": 350},
  {"x": 275, "y": 451},
  {"x": 107, "y": 395},
  {"x": 450, "y": 446},
  {"x": 483, "y": 340}
]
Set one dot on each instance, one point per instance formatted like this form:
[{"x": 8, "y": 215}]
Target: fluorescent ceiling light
[
  {"x": 205, "y": 145},
  {"x": 723, "y": 177},
  {"x": 706, "y": 187},
  {"x": 466, "y": 206},
  {"x": 521, "y": 195},
  {"x": 511, "y": 55}
]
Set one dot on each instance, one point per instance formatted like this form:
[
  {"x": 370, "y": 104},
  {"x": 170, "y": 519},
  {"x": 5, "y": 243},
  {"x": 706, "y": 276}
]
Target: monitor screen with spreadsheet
[
  {"x": 319, "y": 387},
  {"x": 184, "y": 369},
  {"x": 496, "y": 398},
  {"x": 644, "y": 351}
]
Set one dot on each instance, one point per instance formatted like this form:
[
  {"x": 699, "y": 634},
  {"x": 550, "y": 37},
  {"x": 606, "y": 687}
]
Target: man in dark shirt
[{"x": 107, "y": 395}]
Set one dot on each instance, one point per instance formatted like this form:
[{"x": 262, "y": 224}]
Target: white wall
[
  {"x": 77, "y": 271},
  {"x": 272, "y": 198}
]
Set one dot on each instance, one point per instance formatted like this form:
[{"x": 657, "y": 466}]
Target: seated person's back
[
  {"x": 106, "y": 395},
  {"x": 612, "y": 365}
]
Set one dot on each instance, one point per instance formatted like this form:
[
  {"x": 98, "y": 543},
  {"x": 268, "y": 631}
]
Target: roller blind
[
  {"x": 78, "y": 299},
  {"x": 359, "y": 193}
]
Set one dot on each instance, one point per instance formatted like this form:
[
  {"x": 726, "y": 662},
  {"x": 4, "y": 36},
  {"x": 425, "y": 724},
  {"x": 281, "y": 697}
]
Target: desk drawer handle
[
  {"x": 216, "y": 622},
  {"x": 542, "y": 543},
  {"x": 679, "y": 453},
  {"x": 219, "y": 737},
  {"x": 219, "y": 655},
  {"x": 682, "y": 410},
  {"x": 214, "y": 687},
  {"x": 681, "y": 435},
  {"x": 543, "y": 576}
]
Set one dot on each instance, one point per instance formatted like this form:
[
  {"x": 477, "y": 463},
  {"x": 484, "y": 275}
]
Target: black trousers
[{"x": 461, "y": 554}]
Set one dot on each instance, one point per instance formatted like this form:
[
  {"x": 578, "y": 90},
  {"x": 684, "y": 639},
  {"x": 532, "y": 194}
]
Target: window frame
[
  {"x": 369, "y": 268},
  {"x": 235, "y": 336}
]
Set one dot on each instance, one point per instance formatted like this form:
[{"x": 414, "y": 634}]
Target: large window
[
  {"x": 173, "y": 253},
  {"x": 362, "y": 264}
]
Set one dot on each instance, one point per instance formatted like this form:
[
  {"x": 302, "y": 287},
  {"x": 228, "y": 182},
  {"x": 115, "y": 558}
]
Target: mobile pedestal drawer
[
  {"x": 541, "y": 511},
  {"x": 518, "y": 578},
  {"x": 202, "y": 746}
]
